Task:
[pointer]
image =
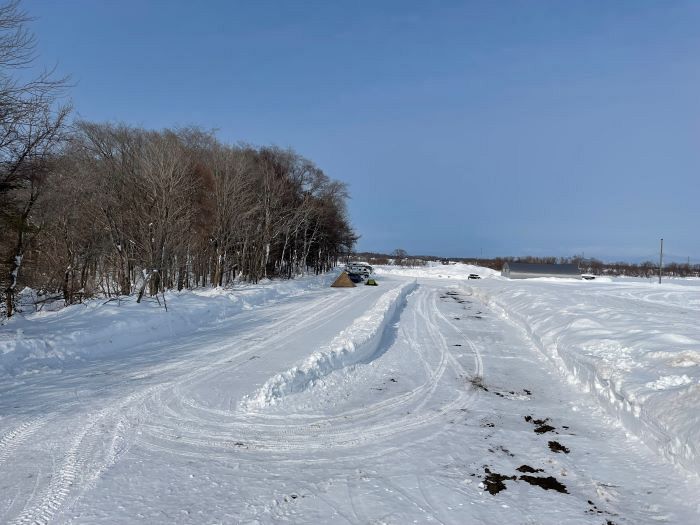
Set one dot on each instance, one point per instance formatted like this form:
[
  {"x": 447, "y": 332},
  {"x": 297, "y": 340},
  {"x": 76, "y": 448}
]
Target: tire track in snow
[
  {"x": 359, "y": 515},
  {"x": 434, "y": 509},
  {"x": 283, "y": 432},
  {"x": 478, "y": 360},
  {"x": 437, "y": 339},
  {"x": 58, "y": 489},
  {"x": 225, "y": 431},
  {"x": 201, "y": 432},
  {"x": 405, "y": 497},
  {"x": 315, "y": 315},
  {"x": 85, "y": 461},
  {"x": 10, "y": 441},
  {"x": 262, "y": 346}
]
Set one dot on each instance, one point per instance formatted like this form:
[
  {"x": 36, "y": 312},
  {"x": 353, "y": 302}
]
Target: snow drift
[
  {"x": 632, "y": 343},
  {"x": 54, "y": 340},
  {"x": 635, "y": 346},
  {"x": 356, "y": 344},
  {"x": 434, "y": 270}
]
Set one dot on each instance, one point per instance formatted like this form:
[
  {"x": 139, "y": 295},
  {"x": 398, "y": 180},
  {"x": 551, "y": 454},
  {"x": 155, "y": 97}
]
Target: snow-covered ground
[
  {"x": 429, "y": 399},
  {"x": 634, "y": 343},
  {"x": 62, "y": 338}
]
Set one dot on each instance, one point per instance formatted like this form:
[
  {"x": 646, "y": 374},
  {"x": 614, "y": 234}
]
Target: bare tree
[
  {"x": 127, "y": 210},
  {"x": 30, "y": 131},
  {"x": 400, "y": 256}
]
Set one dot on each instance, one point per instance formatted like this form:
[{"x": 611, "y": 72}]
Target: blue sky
[{"x": 461, "y": 128}]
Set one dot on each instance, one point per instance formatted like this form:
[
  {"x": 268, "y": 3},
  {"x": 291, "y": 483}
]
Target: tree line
[
  {"x": 117, "y": 210},
  {"x": 92, "y": 209}
]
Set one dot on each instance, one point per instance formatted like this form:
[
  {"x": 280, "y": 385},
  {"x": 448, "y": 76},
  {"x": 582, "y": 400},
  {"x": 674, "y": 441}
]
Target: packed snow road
[{"x": 409, "y": 402}]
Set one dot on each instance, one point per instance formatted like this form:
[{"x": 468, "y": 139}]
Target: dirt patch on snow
[
  {"x": 494, "y": 481},
  {"x": 478, "y": 383},
  {"x": 527, "y": 469},
  {"x": 555, "y": 446},
  {"x": 542, "y": 426},
  {"x": 548, "y": 483}
]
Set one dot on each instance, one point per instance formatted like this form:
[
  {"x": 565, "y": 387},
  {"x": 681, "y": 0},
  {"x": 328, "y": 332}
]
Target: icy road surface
[{"x": 411, "y": 402}]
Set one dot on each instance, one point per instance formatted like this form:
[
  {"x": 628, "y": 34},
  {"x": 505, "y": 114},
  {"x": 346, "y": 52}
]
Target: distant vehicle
[
  {"x": 587, "y": 276},
  {"x": 361, "y": 268},
  {"x": 474, "y": 276}
]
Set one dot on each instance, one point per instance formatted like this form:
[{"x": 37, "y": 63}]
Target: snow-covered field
[
  {"x": 632, "y": 342},
  {"x": 428, "y": 399}
]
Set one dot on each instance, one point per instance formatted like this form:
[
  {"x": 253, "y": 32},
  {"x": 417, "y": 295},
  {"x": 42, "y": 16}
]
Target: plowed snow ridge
[
  {"x": 634, "y": 377},
  {"x": 356, "y": 344}
]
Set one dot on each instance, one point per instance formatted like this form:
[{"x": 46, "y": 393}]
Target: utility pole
[{"x": 661, "y": 259}]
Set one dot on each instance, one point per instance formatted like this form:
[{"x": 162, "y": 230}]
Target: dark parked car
[{"x": 356, "y": 277}]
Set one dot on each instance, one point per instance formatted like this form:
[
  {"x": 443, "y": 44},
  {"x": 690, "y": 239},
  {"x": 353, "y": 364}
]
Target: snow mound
[
  {"x": 434, "y": 270},
  {"x": 356, "y": 344},
  {"x": 669, "y": 382},
  {"x": 635, "y": 346},
  {"x": 98, "y": 329}
]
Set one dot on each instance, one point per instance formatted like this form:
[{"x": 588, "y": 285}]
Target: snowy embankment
[
  {"x": 356, "y": 344},
  {"x": 634, "y": 344},
  {"x": 438, "y": 271},
  {"x": 98, "y": 329}
]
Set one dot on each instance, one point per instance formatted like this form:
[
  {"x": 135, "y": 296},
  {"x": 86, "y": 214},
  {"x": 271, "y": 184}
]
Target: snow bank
[
  {"x": 54, "y": 340},
  {"x": 636, "y": 346},
  {"x": 633, "y": 343},
  {"x": 358, "y": 343},
  {"x": 434, "y": 270}
]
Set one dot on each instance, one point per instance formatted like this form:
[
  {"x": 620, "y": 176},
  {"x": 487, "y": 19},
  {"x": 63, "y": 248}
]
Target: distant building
[{"x": 515, "y": 270}]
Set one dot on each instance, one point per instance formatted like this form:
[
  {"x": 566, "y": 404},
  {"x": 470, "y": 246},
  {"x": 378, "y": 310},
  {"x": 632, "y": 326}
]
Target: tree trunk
[
  {"x": 15, "y": 266},
  {"x": 142, "y": 289},
  {"x": 16, "y": 261}
]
